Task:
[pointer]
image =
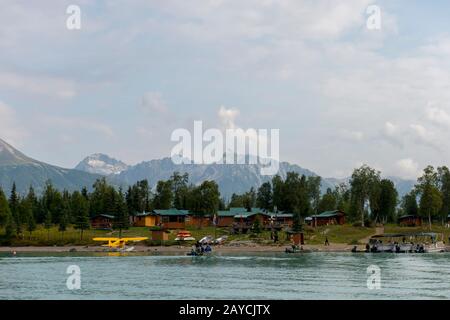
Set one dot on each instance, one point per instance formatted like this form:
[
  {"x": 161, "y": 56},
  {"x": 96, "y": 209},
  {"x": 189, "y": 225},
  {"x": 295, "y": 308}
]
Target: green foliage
[
  {"x": 138, "y": 197},
  {"x": 80, "y": 211},
  {"x": 409, "y": 204},
  {"x": 121, "y": 220},
  {"x": 364, "y": 185},
  {"x": 257, "y": 226},
  {"x": 430, "y": 203},
  {"x": 180, "y": 190},
  {"x": 204, "y": 199},
  {"x": 164, "y": 195},
  {"x": 387, "y": 201},
  {"x": 328, "y": 202},
  {"x": 264, "y": 198}
]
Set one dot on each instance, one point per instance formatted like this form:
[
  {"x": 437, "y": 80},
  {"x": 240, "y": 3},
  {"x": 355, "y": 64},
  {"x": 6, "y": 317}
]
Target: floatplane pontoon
[
  {"x": 119, "y": 244},
  {"x": 422, "y": 242}
]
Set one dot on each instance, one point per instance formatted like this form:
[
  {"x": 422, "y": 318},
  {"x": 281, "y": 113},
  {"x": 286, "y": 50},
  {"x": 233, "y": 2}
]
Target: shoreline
[{"x": 179, "y": 249}]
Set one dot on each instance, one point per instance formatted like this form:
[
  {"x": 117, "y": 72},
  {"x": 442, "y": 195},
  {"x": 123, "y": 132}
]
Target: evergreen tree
[
  {"x": 388, "y": 198},
  {"x": 14, "y": 201},
  {"x": 80, "y": 212},
  {"x": 5, "y": 215},
  {"x": 164, "y": 195},
  {"x": 64, "y": 220},
  {"x": 313, "y": 185},
  {"x": 48, "y": 223},
  {"x": 444, "y": 187},
  {"x": 409, "y": 204},
  {"x": 328, "y": 202},
  {"x": 121, "y": 220},
  {"x": 180, "y": 190},
  {"x": 27, "y": 213},
  {"x": 264, "y": 197}
]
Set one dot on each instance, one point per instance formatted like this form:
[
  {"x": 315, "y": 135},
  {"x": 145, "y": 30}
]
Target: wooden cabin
[
  {"x": 171, "y": 218},
  {"x": 326, "y": 218},
  {"x": 225, "y": 219},
  {"x": 244, "y": 221},
  {"x": 282, "y": 220},
  {"x": 198, "y": 220},
  {"x": 410, "y": 221},
  {"x": 144, "y": 219},
  {"x": 102, "y": 221}
]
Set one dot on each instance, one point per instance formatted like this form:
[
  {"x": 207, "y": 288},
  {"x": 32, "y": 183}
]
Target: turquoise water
[{"x": 256, "y": 276}]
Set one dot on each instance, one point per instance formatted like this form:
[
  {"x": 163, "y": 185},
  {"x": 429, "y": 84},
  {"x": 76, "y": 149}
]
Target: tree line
[
  {"x": 20, "y": 214},
  {"x": 366, "y": 198}
]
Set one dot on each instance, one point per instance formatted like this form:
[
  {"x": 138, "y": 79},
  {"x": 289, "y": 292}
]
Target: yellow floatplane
[{"x": 120, "y": 243}]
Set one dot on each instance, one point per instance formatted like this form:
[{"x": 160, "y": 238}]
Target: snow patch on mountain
[{"x": 101, "y": 164}]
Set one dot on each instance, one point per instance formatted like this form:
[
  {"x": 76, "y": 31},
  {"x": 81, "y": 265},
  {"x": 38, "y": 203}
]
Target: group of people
[{"x": 200, "y": 248}]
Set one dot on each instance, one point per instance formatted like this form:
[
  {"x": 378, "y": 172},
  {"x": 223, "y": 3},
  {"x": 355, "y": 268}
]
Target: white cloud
[
  {"x": 407, "y": 168},
  {"x": 228, "y": 117},
  {"x": 424, "y": 136},
  {"x": 153, "y": 102},
  {"x": 438, "y": 116},
  {"x": 392, "y": 133},
  {"x": 10, "y": 129}
]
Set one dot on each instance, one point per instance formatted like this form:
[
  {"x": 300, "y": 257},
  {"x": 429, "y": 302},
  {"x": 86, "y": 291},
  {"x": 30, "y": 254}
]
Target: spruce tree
[
  {"x": 48, "y": 223},
  {"x": 80, "y": 212},
  {"x": 121, "y": 220}
]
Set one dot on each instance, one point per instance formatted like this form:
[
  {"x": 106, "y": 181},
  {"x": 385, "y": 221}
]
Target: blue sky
[{"x": 341, "y": 94}]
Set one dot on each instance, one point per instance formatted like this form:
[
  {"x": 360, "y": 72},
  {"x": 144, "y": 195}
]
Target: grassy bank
[{"x": 345, "y": 234}]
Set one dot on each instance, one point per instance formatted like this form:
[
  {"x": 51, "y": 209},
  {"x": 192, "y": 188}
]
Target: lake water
[{"x": 256, "y": 276}]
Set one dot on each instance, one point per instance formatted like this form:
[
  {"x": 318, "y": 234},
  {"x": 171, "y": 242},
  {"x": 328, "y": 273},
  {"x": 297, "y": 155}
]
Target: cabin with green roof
[
  {"x": 102, "y": 221},
  {"x": 144, "y": 219},
  {"x": 171, "y": 218},
  {"x": 335, "y": 217}
]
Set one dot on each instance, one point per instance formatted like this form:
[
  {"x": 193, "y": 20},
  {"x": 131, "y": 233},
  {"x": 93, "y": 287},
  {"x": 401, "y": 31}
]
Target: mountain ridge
[
  {"x": 237, "y": 178},
  {"x": 16, "y": 167}
]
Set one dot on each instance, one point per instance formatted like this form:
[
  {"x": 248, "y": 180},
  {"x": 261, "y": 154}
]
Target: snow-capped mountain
[{"x": 101, "y": 164}]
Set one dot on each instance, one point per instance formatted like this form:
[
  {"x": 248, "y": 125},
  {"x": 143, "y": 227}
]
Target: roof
[
  {"x": 282, "y": 215},
  {"x": 408, "y": 216},
  {"x": 245, "y": 215},
  {"x": 328, "y": 214},
  {"x": 225, "y": 213},
  {"x": 171, "y": 212},
  {"x": 108, "y": 216},
  {"x": 238, "y": 210},
  {"x": 144, "y": 214}
]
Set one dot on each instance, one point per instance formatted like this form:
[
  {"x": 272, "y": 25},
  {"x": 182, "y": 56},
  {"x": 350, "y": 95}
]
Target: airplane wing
[
  {"x": 134, "y": 239},
  {"x": 105, "y": 239}
]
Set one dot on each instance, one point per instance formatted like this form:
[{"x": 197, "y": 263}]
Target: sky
[{"x": 341, "y": 95}]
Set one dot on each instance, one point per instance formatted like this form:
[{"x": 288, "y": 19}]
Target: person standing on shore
[{"x": 327, "y": 243}]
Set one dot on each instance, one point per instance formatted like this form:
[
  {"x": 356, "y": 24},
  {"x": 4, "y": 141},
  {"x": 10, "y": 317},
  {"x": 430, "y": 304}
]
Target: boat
[
  {"x": 206, "y": 240},
  {"x": 184, "y": 236},
  {"x": 422, "y": 242},
  {"x": 221, "y": 240},
  {"x": 297, "y": 249}
]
